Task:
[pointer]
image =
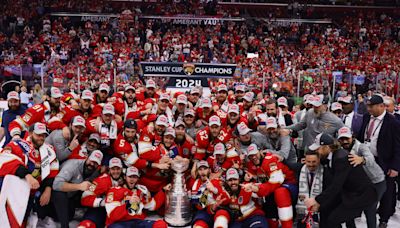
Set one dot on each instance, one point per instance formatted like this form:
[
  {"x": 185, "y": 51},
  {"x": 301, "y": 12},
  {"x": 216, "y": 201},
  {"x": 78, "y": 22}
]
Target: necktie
[
  {"x": 371, "y": 128},
  {"x": 311, "y": 179},
  {"x": 344, "y": 119}
]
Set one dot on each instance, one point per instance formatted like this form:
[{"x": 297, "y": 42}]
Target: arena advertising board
[
  {"x": 186, "y": 75},
  {"x": 188, "y": 19}
]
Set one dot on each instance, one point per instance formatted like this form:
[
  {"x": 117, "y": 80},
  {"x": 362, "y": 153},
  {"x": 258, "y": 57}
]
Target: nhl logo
[{"x": 188, "y": 68}]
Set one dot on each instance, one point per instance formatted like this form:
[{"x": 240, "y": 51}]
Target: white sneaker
[{"x": 32, "y": 220}]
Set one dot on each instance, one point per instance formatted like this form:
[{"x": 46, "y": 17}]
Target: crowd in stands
[{"x": 360, "y": 44}]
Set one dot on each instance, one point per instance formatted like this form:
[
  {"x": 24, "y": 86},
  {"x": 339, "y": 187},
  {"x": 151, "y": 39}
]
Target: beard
[
  {"x": 36, "y": 143},
  {"x": 232, "y": 192},
  {"x": 13, "y": 107},
  {"x": 273, "y": 135},
  {"x": 88, "y": 170}
]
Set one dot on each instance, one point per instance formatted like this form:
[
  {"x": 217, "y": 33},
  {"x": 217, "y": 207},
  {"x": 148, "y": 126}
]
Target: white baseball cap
[
  {"x": 194, "y": 90},
  {"x": 243, "y": 129},
  {"x": 181, "y": 99},
  {"x": 96, "y": 156},
  {"x": 316, "y": 100},
  {"x": 79, "y": 121},
  {"x": 179, "y": 122},
  {"x": 170, "y": 131},
  {"x": 214, "y": 120},
  {"x": 40, "y": 128},
  {"x": 132, "y": 171},
  {"x": 189, "y": 111},
  {"x": 306, "y": 98},
  {"x": 162, "y": 120},
  {"x": 95, "y": 136},
  {"x": 87, "y": 95},
  {"x": 164, "y": 96},
  {"x": 108, "y": 109},
  {"x": 240, "y": 87},
  {"x": 202, "y": 163},
  {"x": 12, "y": 95},
  {"x": 232, "y": 173},
  {"x": 115, "y": 162},
  {"x": 222, "y": 87},
  {"x": 129, "y": 87},
  {"x": 55, "y": 92},
  {"x": 336, "y": 106},
  {"x": 150, "y": 84},
  {"x": 344, "y": 132},
  {"x": 233, "y": 108},
  {"x": 249, "y": 96},
  {"x": 271, "y": 122},
  {"x": 206, "y": 103},
  {"x": 104, "y": 87},
  {"x": 282, "y": 101},
  {"x": 252, "y": 149},
  {"x": 219, "y": 148},
  {"x": 346, "y": 99}
]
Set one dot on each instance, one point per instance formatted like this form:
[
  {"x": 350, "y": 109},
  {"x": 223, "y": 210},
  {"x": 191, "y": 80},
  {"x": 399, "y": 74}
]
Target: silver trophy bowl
[{"x": 178, "y": 210}]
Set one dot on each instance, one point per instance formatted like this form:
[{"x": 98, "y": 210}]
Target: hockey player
[
  {"x": 126, "y": 205},
  {"x": 128, "y": 104},
  {"x": 184, "y": 143},
  {"x": 151, "y": 135},
  {"x": 222, "y": 102},
  {"x": 206, "y": 196},
  {"x": 243, "y": 209},
  {"x": 85, "y": 108},
  {"x": 223, "y": 159},
  {"x": 106, "y": 127},
  {"x": 208, "y": 137},
  {"x": 125, "y": 146},
  {"x": 94, "y": 197},
  {"x": 45, "y": 113},
  {"x": 35, "y": 161},
  {"x": 156, "y": 178},
  {"x": 275, "y": 180}
]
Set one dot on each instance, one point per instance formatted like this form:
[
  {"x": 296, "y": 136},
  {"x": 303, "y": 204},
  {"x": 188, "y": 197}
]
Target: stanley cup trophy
[{"x": 178, "y": 208}]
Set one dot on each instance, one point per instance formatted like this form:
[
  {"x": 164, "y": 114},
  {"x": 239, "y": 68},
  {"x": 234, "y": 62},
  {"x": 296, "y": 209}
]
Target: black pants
[
  {"x": 387, "y": 205},
  {"x": 343, "y": 214},
  {"x": 65, "y": 206},
  {"x": 370, "y": 213}
]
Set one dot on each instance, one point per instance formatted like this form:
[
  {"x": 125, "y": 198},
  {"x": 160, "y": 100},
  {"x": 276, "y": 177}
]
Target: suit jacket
[
  {"x": 350, "y": 183},
  {"x": 356, "y": 123},
  {"x": 388, "y": 146}
]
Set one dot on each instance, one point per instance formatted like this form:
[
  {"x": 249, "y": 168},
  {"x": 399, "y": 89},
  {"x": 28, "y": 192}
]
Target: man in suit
[
  {"x": 390, "y": 107},
  {"x": 380, "y": 132},
  {"x": 351, "y": 183},
  {"x": 309, "y": 183},
  {"x": 350, "y": 118}
]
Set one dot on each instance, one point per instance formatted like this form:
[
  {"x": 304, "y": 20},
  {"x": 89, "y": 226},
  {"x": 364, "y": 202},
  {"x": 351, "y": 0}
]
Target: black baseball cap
[
  {"x": 130, "y": 123},
  {"x": 375, "y": 99},
  {"x": 321, "y": 140}
]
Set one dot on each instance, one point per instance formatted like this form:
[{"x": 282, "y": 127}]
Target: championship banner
[
  {"x": 187, "y": 70},
  {"x": 187, "y": 82}
]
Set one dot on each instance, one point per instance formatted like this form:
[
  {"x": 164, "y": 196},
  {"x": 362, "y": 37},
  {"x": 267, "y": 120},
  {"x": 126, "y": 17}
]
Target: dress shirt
[
  {"x": 348, "y": 119},
  {"x": 375, "y": 132}
]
